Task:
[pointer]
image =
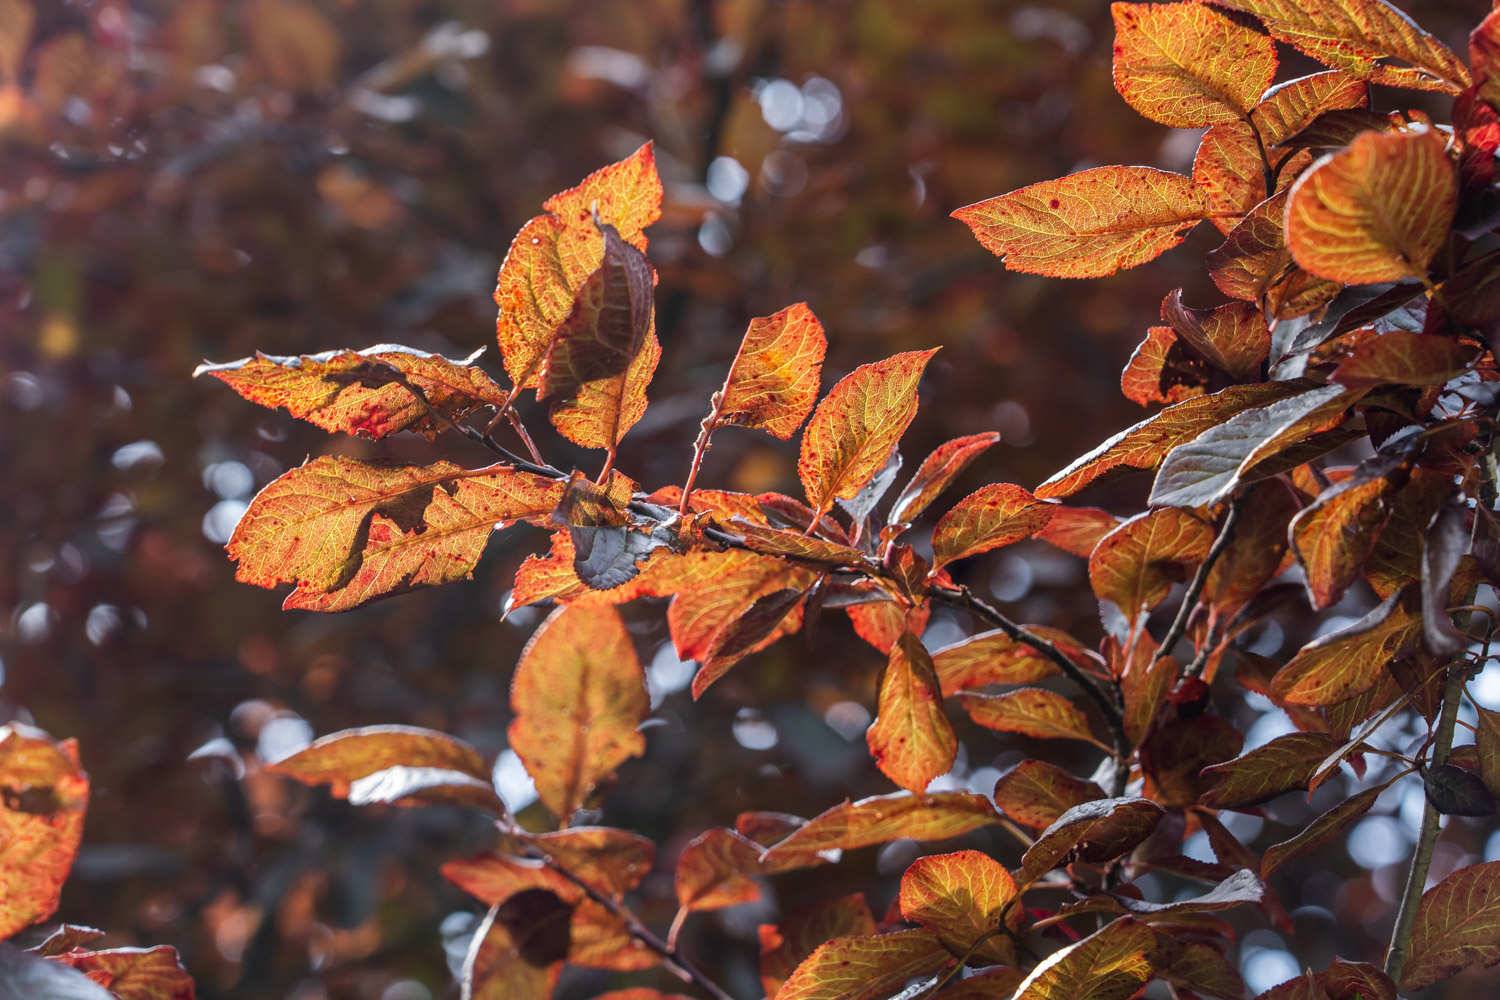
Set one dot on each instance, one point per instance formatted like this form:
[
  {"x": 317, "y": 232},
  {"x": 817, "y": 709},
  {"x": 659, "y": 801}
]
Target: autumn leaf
[
  {"x": 1094, "y": 831},
  {"x": 855, "y": 427},
  {"x": 1197, "y": 966},
  {"x": 44, "y": 794},
  {"x": 794, "y": 544},
  {"x": 293, "y": 44},
  {"x": 1089, "y": 224},
  {"x": 1289, "y": 107},
  {"x": 498, "y": 965},
  {"x": 865, "y": 968},
  {"x": 1034, "y": 712},
  {"x": 1457, "y": 927},
  {"x": 27, "y": 974},
  {"x": 1173, "y": 757},
  {"x": 19, "y": 19},
  {"x": 399, "y": 765},
  {"x": 1257, "y": 549},
  {"x": 786, "y": 945},
  {"x": 962, "y": 898},
  {"x": 992, "y": 516},
  {"x": 881, "y": 623},
  {"x": 1110, "y": 964},
  {"x": 1232, "y": 337},
  {"x": 1253, "y": 263},
  {"x": 1076, "y": 530},
  {"x": 555, "y": 254},
  {"x": 773, "y": 381},
  {"x": 1333, "y": 536},
  {"x": 1143, "y": 687},
  {"x": 1378, "y": 210},
  {"x": 995, "y": 658},
  {"x": 1163, "y": 369},
  {"x": 1035, "y": 793},
  {"x": 612, "y": 860},
  {"x": 1345, "y": 663},
  {"x": 363, "y": 392},
  {"x": 1147, "y": 443},
  {"x": 1357, "y": 981},
  {"x": 1135, "y": 565},
  {"x": 134, "y": 973},
  {"x": 936, "y": 474},
  {"x": 1396, "y": 559},
  {"x": 911, "y": 740},
  {"x": 1353, "y": 34},
  {"x": 1187, "y": 65},
  {"x": 578, "y": 695},
  {"x": 880, "y": 818},
  {"x": 1403, "y": 358},
  {"x": 1285, "y": 763},
  {"x": 1321, "y": 830},
  {"x": 716, "y": 870},
  {"x": 1230, "y": 172}
]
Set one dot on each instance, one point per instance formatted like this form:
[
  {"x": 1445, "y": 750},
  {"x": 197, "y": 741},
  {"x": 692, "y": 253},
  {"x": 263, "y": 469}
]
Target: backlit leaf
[
  {"x": 1357, "y": 981},
  {"x": 936, "y": 473},
  {"x": 1403, "y": 358},
  {"x": 715, "y": 870},
  {"x": 1174, "y": 756},
  {"x": 1136, "y": 564},
  {"x": 1143, "y": 687},
  {"x": 1163, "y": 369},
  {"x": 578, "y": 695},
  {"x": 880, "y": 818},
  {"x": 911, "y": 740},
  {"x": 1228, "y": 169},
  {"x": 1035, "y": 793},
  {"x": 1199, "y": 967},
  {"x": 1094, "y": 831},
  {"x": 990, "y": 517},
  {"x": 43, "y": 797},
  {"x": 497, "y": 966},
  {"x": 1034, "y": 712},
  {"x": 1334, "y": 534},
  {"x": 795, "y": 545},
  {"x": 1288, "y": 108},
  {"x": 134, "y": 973},
  {"x": 1076, "y": 530},
  {"x": 1110, "y": 964},
  {"x": 1257, "y": 547},
  {"x": 881, "y": 623},
  {"x": 398, "y": 765},
  {"x": 612, "y": 860},
  {"x": 1376, "y": 211},
  {"x": 1232, "y": 337},
  {"x": 1457, "y": 927},
  {"x": 773, "y": 382},
  {"x": 1345, "y": 663},
  {"x": 1254, "y": 263},
  {"x": 360, "y": 392},
  {"x": 767, "y": 619},
  {"x": 784, "y": 946},
  {"x": 854, "y": 428},
  {"x": 995, "y": 658},
  {"x": 1089, "y": 224},
  {"x": 1321, "y": 830},
  {"x": 554, "y": 254},
  {"x": 961, "y": 897},
  {"x": 865, "y": 968},
  {"x": 1285, "y": 763},
  {"x": 1187, "y": 65}
]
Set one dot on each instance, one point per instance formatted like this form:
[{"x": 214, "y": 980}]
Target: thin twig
[
  {"x": 1200, "y": 580},
  {"x": 700, "y": 448}
]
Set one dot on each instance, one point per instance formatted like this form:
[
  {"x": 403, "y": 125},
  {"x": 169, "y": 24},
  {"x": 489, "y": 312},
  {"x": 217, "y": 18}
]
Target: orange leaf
[
  {"x": 1233, "y": 338},
  {"x": 911, "y": 740},
  {"x": 1076, "y": 530},
  {"x": 294, "y": 45},
  {"x": 1143, "y": 686},
  {"x": 1110, "y": 964},
  {"x": 360, "y": 392},
  {"x": 45, "y": 797},
  {"x": 1257, "y": 547},
  {"x": 786, "y": 945},
  {"x": 1352, "y": 34},
  {"x": 855, "y": 428},
  {"x": 1288, "y": 108},
  {"x": 1172, "y": 757},
  {"x": 1334, "y": 535},
  {"x": 990, "y": 517},
  {"x": 134, "y": 973},
  {"x": 1162, "y": 369},
  {"x": 880, "y": 818},
  {"x": 865, "y": 968},
  {"x": 500, "y": 963},
  {"x": 767, "y": 619},
  {"x": 578, "y": 695},
  {"x": 794, "y": 545},
  {"x": 1376, "y": 211},
  {"x": 716, "y": 870},
  {"x": 554, "y": 254},
  {"x": 611, "y": 860},
  {"x": 1253, "y": 263},
  {"x": 1457, "y": 928},
  {"x": 1095, "y": 831},
  {"x": 1089, "y": 224},
  {"x": 1229, "y": 170},
  {"x": 1034, "y": 712},
  {"x": 773, "y": 382},
  {"x": 1285, "y": 763},
  {"x": 1345, "y": 663},
  {"x": 1147, "y": 443},
  {"x": 995, "y": 658},
  {"x": 1135, "y": 565},
  {"x": 1187, "y": 65},
  {"x": 881, "y": 623},
  {"x": 1035, "y": 793},
  {"x": 399, "y": 765},
  {"x": 1403, "y": 358},
  {"x": 961, "y": 897},
  {"x": 1397, "y": 557},
  {"x": 936, "y": 473}
]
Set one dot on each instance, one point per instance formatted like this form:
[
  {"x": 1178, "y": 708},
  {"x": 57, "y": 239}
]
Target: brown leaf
[
  {"x": 611, "y": 860},
  {"x": 44, "y": 794},
  {"x": 1187, "y": 65},
  {"x": 1110, "y": 964},
  {"x": 856, "y": 426},
  {"x": 1321, "y": 830},
  {"x": 1136, "y": 564},
  {"x": 716, "y": 869},
  {"x": 880, "y": 818},
  {"x": 1035, "y": 793},
  {"x": 1163, "y": 369},
  {"x": 1144, "y": 686},
  {"x": 497, "y": 967},
  {"x": 1199, "y": 967},
  {"x": 773, "y": 382},
  {"x": 995, "y": 658},
  {"x": 865, "y": 968},
  {"x": 1233, "y": 337},
  {"x": 1334, "y": 535},
  {"x": 1076, "y": 530},
  {"x": 1377, "y": 211},
  {"x": 794, "y": 544},
  {"x": 1487, "y": 740},
  {"x": 1457, "y": 927},
  {"x": 786, "y": 945},
  {"x": 1034, "y": 712},
  {"x": 134, "y": 973},
  {"x": 962, "y": 898},
  {"x": 1285, "y": 763},
  {"x": 1174, "y": 755},
  {"x": 1345, "y": 663},
  {"x": 579, "y": 696},
  {"x": 989, "y": 518},
  {"x": 1254, "y": 263},
  {"x": 1257, "y": 547},
  {"x": 1095, "y": 831},
  {"x": 1089, "y": 224},
  {"x": 936, "y": 473},
  {"x": 911, "y": 740},
  {"x": 1403, "y": 358}
]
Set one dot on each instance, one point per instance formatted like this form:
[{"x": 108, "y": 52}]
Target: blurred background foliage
[{"x": 190, "y": 179}]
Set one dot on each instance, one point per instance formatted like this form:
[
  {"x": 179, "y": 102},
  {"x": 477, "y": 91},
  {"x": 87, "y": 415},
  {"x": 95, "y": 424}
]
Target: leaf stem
[
  {"x": 700, "y": 448},
  {"x": 1199, "y": 581}
]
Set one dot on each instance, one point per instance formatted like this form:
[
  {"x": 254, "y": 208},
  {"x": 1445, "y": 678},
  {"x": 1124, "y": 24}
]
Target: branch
[{"x": 1200, "y": 580}]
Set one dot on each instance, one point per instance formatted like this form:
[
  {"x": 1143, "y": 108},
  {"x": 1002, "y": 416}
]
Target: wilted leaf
[
  {"x": 911, "y": 740},
  {"x": 1288, "y": 108},
  {"x": 134, "y": 973},
  {"x": 875, "y": 820},
  {"x": 44, "y": 794},
  {"x": 1089, "y": 224},
  {"x": 1457, "y": 927},
  {"x": 1034, "y": 712},
  {"x": 1095, "y": 831},
  {"x": 995, "y": 658},
  {"x": 961, "y": 897},
  {"x": 936, "y": 473},
  {"x": 399, "y": 765},
  {"x": 578, "y": 695},
  {"x": 716, "y": 870},
  {"x": 1186, "y": 65},
  {"x": 990, "y": 517},
  {"x": 854, "y": 428},
  {"x": 1342, "y": 664},
  {"x": 773, "y": 382},
  {"x": 1377, "y": 211},
  {"x": 865, "y": 968},
  {"x": 1110, "y": 964},
  {"x": 1285, "y": 763},
  {"x": 1334, "y": 535},
  {"x": 1321, "y": 830},
  {"x": 1035, "y": 793},
  {"x": 497, "y": 968},
  {"x": 1135, "y": 565}
]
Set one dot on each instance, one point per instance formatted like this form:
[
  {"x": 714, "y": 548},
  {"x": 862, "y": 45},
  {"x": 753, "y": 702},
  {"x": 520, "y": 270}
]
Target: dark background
[{"x": 181, "y": 181}]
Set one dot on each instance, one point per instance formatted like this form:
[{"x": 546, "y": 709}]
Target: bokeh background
[{"x": 194, "y": 180}]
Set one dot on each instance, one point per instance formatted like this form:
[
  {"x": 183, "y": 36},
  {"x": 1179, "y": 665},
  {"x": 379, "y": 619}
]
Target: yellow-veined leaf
[
  {"x": 134, "y": 973},
  {"x": 1334, "y": 534},
  {"x": 995, "y": 658},
  {"x": 1034, "y": 712},
  {"x": 1035, "y": 793},
  {"x": 1288, "y": 108},
  {"x": 1457, "y": 928},
  {"x": 865, "y": 968},
  {"x": 1076, "y": 530},
  {"x": 784, "y": 946},
  {"x": 1089, "y": 224},
  {"x": 1401, "y": 357},
  {"x": 1187, "y": 65},
  {"x": 1136, "y": 564},
  {"x": 936, "y": 473},
  {"x": 962, "y": 897},
  {"x": 1254, "y": 263},
  {"x": 881, "y": 623},
  {"x": 911, "y": 740},
  {"x": 1342, "y": 664},
  {"x": 611, "y": 860},
  {"x": 773, "y": 382},
  {"x": 1096, "y": 831},
  {"x": 990, "y": 517},
  {"x": 579, "y": 696},
  {"x": 46, "y": 794},
  {"x": 1163, "y": 369},
  {"x": 1285, "y": 763},
  {"x": 1233, "y": 338},
  {"x": 716, "y": 869},
  {"x": 880, "y": 818},
  {"x": 1110, "y": 964},
  {"x": 1173, "y": 757},
  {"x": 1228, "y": 169}
]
